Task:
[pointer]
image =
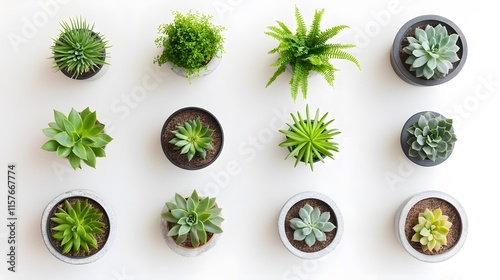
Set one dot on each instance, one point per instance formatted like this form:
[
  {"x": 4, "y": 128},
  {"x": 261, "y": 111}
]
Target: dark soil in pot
[
  {"x": 180, "y": 117},
  {"x": 101, "y": 238},
  {"x": 432, "y": 204},
  {"x": 294, "y": 213}
]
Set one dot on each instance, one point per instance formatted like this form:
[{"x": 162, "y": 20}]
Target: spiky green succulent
[
  {"x": 79, "y": 49},
  {"x": 194, "y": 217},
  {"x": 193, "y": 138},
  {"x": 77, "y": 137},
  {"x": 431, "y": 137},
  {"x": 309, "y": 139},
  {"x": 432, "y": 52},
  {"x": 311, "y": 226},
  {"x": 431, "y": 229},
  {"x": 305, "y": 51},
  {"x": 76, "y": 226}
]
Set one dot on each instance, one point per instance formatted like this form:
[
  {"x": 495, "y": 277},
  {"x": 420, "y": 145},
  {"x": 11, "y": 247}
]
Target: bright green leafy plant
[
  {"x": 431, "y": 137},
  {"x": 77, "y": 137},
  {"x": 193, "y": 216},
  {"x": 309, "y": 139},
  {"x": 432, "y": 52},
  {"x": 193, "y": 138},
  {"x": 311, "y": 225},
  {"x": 79, "y": 49},
  {"x": 431, "y": 230},
  {"x": 76, "y": 226},
  {"x": 190, "y": 42},
  {"x": 305, "y": 51}
]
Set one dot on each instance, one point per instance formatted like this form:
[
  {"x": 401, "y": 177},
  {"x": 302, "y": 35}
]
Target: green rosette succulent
[
  {"x": 311, "y": 226},
  {"x": 194, "y": 217},
  {"x": 76, "y": 226},
  {"x": 431, "y": 230},
  {"x": 193, "y": 138},
  {"x": 77, "y": 137},
  {"x": 431, "y": 137},
  {"x": 432, "y": 52}
]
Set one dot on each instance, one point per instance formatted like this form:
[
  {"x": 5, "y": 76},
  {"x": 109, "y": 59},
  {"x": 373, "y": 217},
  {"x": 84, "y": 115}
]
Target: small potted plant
[
  {"x": 191, "y": 226},
  {"x": 192, "y": 138},
  {"x": 77, "y": 137},
  {"x": 428, "y": 50},
  {"x": 310, "y": 225},
  {"x": 309, "y": 140},
  {"x": 432, "y": 226},
  {"x": 305, "y": 52},
  {"x": 192, "y": 44},
  {"x": 428, "y": 138},
  {"x": 78, "y": 227},
  {"x": 79, "y": 52}
]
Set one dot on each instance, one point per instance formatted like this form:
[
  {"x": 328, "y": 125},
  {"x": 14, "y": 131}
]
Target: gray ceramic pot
[
  {"x": 400, "y": 222},
  {"x": 335, "y": 215},
  {"x": 45, "y": 226}
]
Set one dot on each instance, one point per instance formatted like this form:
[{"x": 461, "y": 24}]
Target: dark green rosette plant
[
  {"x": 193, "y": 217},
  {"x": 79, "y": 50},
  {"x": 190, "y": 42},
  {"x": 307, "y": 51},
  {"x": 309, "y": 140},
  {"x": 77, "y": 137}
]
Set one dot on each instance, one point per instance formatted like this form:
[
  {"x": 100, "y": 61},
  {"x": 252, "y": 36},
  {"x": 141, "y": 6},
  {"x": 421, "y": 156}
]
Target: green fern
[{"x": 307, "y": 51}]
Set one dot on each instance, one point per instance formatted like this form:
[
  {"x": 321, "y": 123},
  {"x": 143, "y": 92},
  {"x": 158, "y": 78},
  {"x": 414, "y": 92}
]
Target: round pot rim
[
  {"x": 165, "y": 147},
  {"x": 281, "y": 225},
  {"x": 400, "y": 221},
  {"x": 182, "y": 250},
  {"x": 46, "y": 229},
  {"x": 202, "y": 71},
  {"x": 399, "y": 66},
  {"x": 404, "y": 138}
]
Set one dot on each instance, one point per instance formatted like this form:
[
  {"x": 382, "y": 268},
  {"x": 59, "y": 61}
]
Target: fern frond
[
  {"x": 340, "y": 54},
  {"x": 301, "y": 25},
  {"x": 278, "y": 72},
  {"x": 330, "y": 33},
  {"x": 284, "y": 27},
  {"x": 327, "y": 71},
  {"x": 299, "y": 79},
  {"x": 314, "y": 31},
  {"x": 283, "y": 60}
]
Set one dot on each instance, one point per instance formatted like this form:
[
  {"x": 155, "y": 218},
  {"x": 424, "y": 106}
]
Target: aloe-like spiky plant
[
  {"x": 311, "y": 225},
  {"x": 79, "y": 49},
  {"x": 77, "y": 137},
  {"x": 193, "y": 216},
  {"x": 76, "y": 226},
  {"x": 431, "y": 137},
  {"x": 309, "y": 139},
  {"x": 431, "y": 229},
  {"x": 193, "y": 138},
  {"x": 432, "y": 52},
  {"x": 305, "y": 51}
]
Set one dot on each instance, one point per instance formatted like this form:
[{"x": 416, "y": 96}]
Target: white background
[{"x": 369, "y": 178}]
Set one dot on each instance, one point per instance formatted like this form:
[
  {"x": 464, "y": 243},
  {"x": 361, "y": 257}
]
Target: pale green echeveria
[
  {"x": 432, "y": 52},
  {"x": 311, "y": 226},
  {"x": 431, "y": 230},
  {"x": 431, "y": 137}
]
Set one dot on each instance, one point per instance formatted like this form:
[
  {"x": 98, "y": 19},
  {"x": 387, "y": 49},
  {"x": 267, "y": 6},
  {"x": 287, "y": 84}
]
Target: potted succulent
[
  {"x": 79, "y": 52},
  {"x": 305, "y": 52},
  {"x": 192, "y": 44},
  {"x": 309, "y": 140},
  {"x": 78, "y": 227},
  {"x": 432, "y": 226},
  {"x": 77, "y": 137},
  {"x": 310, "y": 225},
  {"x": 191, "y": 226},
  {"x": 428, "y": 138},
  {"x": 428, "y": 50},
  {"x": 192, "y": 138}
]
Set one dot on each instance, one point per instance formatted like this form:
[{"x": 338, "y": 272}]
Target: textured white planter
[
  {"x": 45, "y": 227},
  {"x": 335, "y": 214},
  {"x": 400, "y": 221},
  {"x": 204, "y": 71}
]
